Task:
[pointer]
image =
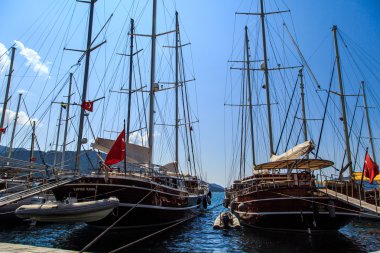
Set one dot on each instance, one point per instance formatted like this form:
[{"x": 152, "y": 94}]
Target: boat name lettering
[{"x": 84, "y": 189}]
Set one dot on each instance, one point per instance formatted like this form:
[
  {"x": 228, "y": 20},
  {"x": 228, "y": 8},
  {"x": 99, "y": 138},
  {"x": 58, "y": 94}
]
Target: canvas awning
[
  {"x": 300, "y": 164},
  {"x": 135, "y": 153}
]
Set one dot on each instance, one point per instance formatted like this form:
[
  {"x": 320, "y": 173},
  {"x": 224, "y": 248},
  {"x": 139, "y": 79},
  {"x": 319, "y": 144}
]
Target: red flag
[
  {"x": 371, "y": 169},
  {"x": 116, "y": 153},
  {"x": 88, "y": 106},
  {"x": 3, "y": 130}
]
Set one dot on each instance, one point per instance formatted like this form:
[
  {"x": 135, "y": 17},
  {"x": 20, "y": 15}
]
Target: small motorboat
[
  {"x": 69, "y": 211},
  {"x": 226, "y": 220}
]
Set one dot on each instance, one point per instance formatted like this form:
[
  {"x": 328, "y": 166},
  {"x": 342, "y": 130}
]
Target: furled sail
[
  {"x": 170, "y": 167},
  {"x": 135, "y": 153},
  {"x": 295, "y": 152}
]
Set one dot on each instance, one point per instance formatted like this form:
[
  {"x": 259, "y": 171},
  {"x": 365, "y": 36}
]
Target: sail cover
[
  {"x": 135, "y": 153},
  {"x": 295, "y": 152}
]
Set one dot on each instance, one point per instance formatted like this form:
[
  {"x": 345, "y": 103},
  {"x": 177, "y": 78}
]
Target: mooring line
[
  {"x": 160, "y": 231},
  {"x": 113, "y": 224}
]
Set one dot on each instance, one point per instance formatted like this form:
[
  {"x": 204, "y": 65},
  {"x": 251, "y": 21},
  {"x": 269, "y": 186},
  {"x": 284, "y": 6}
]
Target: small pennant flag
[{"x": 3, "y": 130}]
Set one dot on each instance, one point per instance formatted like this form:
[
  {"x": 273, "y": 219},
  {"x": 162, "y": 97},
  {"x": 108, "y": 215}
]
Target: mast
[
  {"x": 59, "y": 130},
  {"x": 176, "y": 88},
  {"x": 84, "y": 92},
  {"x": 14, "y": 125},
  {"x": 342, "y": 100},
  {"x": 7, "y": 91},
  {"x": 250, "y": 94},
  {"x": 32, "y": 158},
  {"x": 262, "y": 15},
  {"x": 303, "y": 105},
  {"x": 368, "y": 123},
  {"x": 66, "y": 121},
  {"x": 152, "y": 84},
  {"x": 130, "y": 82}
]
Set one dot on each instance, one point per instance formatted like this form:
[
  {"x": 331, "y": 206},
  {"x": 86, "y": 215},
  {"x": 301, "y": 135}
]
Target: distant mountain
[
  {"x": 89, "y": 160},
  {"x": 215, "y": 187}
]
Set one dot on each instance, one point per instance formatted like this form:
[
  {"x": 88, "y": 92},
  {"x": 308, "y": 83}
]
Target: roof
[{"x": 300, "y": 164}]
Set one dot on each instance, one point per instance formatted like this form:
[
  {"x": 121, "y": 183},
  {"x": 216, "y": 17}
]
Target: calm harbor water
[{"x": 198, "y": 235}]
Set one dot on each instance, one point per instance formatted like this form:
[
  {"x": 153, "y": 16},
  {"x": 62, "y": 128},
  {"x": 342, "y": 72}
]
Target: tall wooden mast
[
  {"x": 342, "y": 101},
  {"x": 262, "y": 15},
  {"x": 152, "y": 84},
  {"x": 303, "y": 105},
  {"x": 85, "y": 80},
  {"x": 14, "y": 126},
  {"x": 250, "y": 94},
  {"x": 176, "y": 88},
  {"x": 58, "y": 132},
  {"x": 66, "y": 122},
  {"x": 132, "y": 31},
  {"x": 7, "y": 91},
  {"x": 31, "y": 156},
  {"x": 368, "y": 123}
]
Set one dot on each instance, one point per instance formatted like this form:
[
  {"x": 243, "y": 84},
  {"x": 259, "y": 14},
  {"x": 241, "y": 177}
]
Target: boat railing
[{"x": 351, "y": 189}]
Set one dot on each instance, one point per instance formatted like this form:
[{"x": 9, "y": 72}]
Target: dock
[
  {"x": 368, "y": 210},
  {"x": 10, "y": 248}
]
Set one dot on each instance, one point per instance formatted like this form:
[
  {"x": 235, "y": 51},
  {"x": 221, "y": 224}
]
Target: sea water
[{"x": 197, "y": 235}]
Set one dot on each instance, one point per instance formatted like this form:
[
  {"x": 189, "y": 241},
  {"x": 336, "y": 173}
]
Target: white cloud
[
  {"x": 33, "y": 59},
  {"x": 21, "y": 120},
  {"x": 4, "y": 58},
  {"x": 21, "y": 91}
]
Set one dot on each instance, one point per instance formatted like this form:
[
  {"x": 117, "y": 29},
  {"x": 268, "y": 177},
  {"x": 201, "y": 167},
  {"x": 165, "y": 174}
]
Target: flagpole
[{"x": 361, "y": 181}]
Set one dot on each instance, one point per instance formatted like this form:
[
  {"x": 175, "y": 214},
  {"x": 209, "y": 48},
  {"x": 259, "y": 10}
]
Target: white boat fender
[{"x": 204, "y": 203}]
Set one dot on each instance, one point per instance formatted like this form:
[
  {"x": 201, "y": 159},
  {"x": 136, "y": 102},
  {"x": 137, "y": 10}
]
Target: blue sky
[{"x": 214, "y": 32}]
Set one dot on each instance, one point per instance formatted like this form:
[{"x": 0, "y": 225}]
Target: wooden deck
[
  {"x": 368, "y": 210},
  {"x": 10, "y": 248}
]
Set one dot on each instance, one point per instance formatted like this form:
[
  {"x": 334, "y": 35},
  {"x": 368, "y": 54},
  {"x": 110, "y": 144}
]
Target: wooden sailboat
[
  {"x": 282, "y": 194},
  {"x": 150, "y": 195}
]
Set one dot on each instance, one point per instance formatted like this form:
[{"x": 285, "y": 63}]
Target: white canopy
[
  {"x": 135, "y": 153},
  {"x": 295, "y": 152}
]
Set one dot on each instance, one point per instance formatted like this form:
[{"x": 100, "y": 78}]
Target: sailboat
[
  {"x": 281, "y": 194},
  {"x": 149, "y": 195}
]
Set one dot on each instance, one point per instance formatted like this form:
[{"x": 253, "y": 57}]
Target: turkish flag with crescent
[
  {"x": 88, "y": 106},
  {"x": 371, "y": 169},
  {"x": 116, "y": 153}
]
